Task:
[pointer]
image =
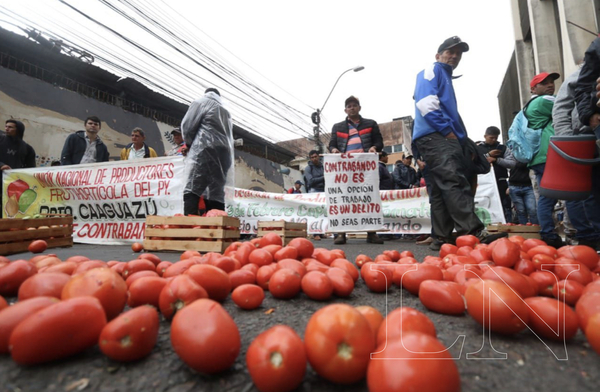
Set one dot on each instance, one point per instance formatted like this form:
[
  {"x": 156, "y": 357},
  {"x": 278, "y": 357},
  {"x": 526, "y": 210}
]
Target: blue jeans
[
  {"x": 545, "y": 207},
  {"x": 524, "y": 200},
  {"x": 585, "y": 217}
]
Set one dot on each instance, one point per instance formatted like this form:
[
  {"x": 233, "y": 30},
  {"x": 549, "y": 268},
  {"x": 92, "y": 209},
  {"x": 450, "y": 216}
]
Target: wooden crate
[
  {"x": 191, "y": 233},
  {"x": 524, "y": 231},
  {"x": 286, "y": 230},
  {"x": 17, "y": 234}
]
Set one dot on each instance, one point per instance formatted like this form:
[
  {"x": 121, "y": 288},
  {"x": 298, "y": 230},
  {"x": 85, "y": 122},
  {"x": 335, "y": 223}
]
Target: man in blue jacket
[{"x": 439, "y": 134}]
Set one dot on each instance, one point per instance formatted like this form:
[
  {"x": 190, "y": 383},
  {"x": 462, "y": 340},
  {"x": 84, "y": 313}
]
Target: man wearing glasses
[{"x": 137, "y": 149}]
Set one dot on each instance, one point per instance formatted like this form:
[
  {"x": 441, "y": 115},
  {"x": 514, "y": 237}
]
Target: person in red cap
[{"x": 539, "y": 115}]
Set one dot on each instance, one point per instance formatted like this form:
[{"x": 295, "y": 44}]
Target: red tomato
[
  {"x": 67, "y": 267},
  {"x": 276, "y": 360},
  {"x": 448, "y": 249},
  {"x": 373, "y": 316},
  {"x": 248, "y": 296},
  {"x": 11, "y": 316},
  {"x": 441, "y": 297},
  {"x": 417, "y": 362},
  {"x": 316, "y": 285},
  {"x": 260, "y": 257},
  {"x": 338, "y": 341},
  {"x": 377, "y": 277},
  {"x": 347, "y": 266},
  {"x": 362, "y": 260},
  {"x": 270, "y": 239},
  {"x": 288, "y": 252},
  {"x": 292, "y": 264},
  {"x": 37, "y": 246},
  {"x": 140, "y": 274},
  {"x": 481, "y": 254},
  {"x": 551, "y": 319},
  {"x": 580, "y": 253},
  {"x": 394, "y": 255},
  {"x": 572, "y": 270},
  {"x": 315, "y": 265},
  {"x": 412, "y": 279},
  {"x": 189, "y": 253},
  {"x": 531, "y": 243},
  {"x": 304, "y": 247},
  {"x": 227, "y": 264},
  {"x": 497, "y": 307},
  {"x": 506, "y": 253},
  {"x": 131, "y": 336},
  {"x": 178, "y": 268},
  {"x": 241, "y": 276},
  {"x": 145, "y": 291},
  {"x": 326, "y": 257},
  {"x": 339, "y": 254},
  {"x": 3, "y": 303},
  {"x": 243, "y": 253},
  {"x": 137, "y": 247},
  {"x": 543, "y": 262},
  {"x": 342, "y": 282},
  {"x": 152, "y": 257},
  {"x": 592, "y": 332},
  {"x": 272, "y": 249},
  {"x": 543, "y": 249},
  {"x": 593, "y": 287},
  {"x": 510, "y": 278},
  {"x": 102, "y": 283},
  {"x": 137, "y": 265},
  {"x": 264, "y": 274},
  {"x": 285, "y": 284},
  {"x": 89, "y": 265},
  {"x": 406, "y": 253},
  {"x": 12, "y": 275},
  {"x": 568, "y": 291},
  {"x": 178, "y": 293},
  {"x": 545, "y": 281},
  {"x": 467, "y": 240},
  {"x": 214, "y": 280},
  {"x": 56, "y": 332},
  {"x": 401, "y": 321},
  {"x": 43, "y": 285},
  {"x": 587, "y": 306},
  {"x": 78, "y": 259},
  {"x": 162, "y": 267},
  {"x": 205, "y": 336},
  {"x": 251, "y": 267}
]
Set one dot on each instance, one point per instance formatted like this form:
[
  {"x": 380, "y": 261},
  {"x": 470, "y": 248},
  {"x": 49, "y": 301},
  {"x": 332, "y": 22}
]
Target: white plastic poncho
[{"x": 207, "y": 130}]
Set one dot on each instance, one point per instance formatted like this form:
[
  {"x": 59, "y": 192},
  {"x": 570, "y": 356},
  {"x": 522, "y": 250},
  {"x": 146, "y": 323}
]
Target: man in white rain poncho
[{"x": 207, "y": 131}]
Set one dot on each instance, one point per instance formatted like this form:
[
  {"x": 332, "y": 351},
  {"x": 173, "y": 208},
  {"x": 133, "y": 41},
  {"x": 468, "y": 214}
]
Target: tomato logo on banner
[{"x": 352, "y": 192}]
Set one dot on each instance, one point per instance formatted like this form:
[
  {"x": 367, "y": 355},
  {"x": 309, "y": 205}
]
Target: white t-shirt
[{"x": 136, "y": 154}]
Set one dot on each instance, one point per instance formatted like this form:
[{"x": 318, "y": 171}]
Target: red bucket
[{"x": 568, "y": 171}]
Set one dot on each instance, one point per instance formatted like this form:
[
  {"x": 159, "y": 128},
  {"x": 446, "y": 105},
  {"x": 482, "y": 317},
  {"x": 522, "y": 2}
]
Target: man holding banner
[{"x": 355, "y": 135}]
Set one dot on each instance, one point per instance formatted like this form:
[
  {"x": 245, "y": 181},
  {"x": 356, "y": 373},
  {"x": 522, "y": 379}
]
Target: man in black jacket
[
  {"x": 14, "y": 152},
  {"x": 85, "y": 146},
  {"x": 405, "y": 176},
  {"x": 355, "y": 135},
  {"x": 314, "y": 173}
]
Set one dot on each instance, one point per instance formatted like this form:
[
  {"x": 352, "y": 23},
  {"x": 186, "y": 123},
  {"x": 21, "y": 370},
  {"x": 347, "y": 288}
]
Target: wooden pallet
[
  {"x": 523, "y": 231},
  {"x": 17, "y": 234},
  {"x": 191, "y": 233},
  {"x": 286, "y": 230}
]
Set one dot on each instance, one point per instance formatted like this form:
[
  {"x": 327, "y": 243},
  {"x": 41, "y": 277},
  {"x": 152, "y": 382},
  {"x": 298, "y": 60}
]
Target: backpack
[{"x": 524, "y": 141}]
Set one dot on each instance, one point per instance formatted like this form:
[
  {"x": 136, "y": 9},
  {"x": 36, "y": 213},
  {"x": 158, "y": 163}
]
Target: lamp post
[{"x": 316, "y": 116}]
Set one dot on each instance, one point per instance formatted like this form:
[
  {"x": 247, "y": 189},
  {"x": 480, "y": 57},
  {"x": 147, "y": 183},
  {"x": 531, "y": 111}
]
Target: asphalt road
[{"x": 518, "y": 363}]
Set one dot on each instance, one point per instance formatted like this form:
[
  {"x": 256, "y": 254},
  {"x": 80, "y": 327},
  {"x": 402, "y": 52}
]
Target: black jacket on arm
[
  {"x": 16, "y": 153},
  {"x": 368, "y": 130},
  {"x": 75, "y": 146},
  {"x": 314, "y": 178},
  {"x": 585, "y": 89}
]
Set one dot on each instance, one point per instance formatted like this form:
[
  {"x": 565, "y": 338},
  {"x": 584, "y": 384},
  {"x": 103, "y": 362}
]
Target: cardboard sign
[{"x": 352, "y": 192}]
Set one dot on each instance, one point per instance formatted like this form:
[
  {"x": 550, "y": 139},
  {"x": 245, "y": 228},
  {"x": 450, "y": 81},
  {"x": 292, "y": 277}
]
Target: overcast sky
[{"x": 298, "y": 50}]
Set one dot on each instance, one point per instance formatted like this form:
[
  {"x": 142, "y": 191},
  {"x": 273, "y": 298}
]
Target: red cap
[{"x": 539, "y": 78}]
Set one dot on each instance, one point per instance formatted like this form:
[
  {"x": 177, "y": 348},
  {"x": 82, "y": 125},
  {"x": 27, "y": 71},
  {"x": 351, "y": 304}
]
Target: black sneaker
[
  {"x": 373, "y": 238},
  {"x": 436, "y": 245},
  {"x": 340, "y": 239},
  {"x": 556, "y": 242},
  {"x": 486, "y": 238}
]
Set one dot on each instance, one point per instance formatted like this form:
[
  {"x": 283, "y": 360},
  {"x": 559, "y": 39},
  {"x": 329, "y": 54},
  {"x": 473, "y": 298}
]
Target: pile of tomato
[{"x": 507, "y": 286}]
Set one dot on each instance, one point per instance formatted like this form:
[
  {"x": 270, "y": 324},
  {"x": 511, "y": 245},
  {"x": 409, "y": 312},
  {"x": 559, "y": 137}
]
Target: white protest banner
[
  {"x": 352, "y": 192},
  {"x": 405, "y": 211},
  {"x": 109, "y": 201}
]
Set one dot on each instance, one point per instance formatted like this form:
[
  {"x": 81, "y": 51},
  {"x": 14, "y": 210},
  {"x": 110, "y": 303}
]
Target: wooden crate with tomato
[
  {"x": 286, "y": 230},
  {"x": 514, "y": 230},
  {"x": 17, "y": 234},
  {"x": 203, "y": 234}
]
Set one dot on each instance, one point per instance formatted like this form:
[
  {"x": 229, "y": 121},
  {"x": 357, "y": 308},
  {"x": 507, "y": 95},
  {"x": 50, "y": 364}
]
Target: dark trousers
[
  {"x": 452, "y": 202},
  {"x": 190, "y": 204}
]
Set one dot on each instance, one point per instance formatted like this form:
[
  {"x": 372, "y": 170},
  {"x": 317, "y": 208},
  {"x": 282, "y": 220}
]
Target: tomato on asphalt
[
  {"x": 58, "y": 331},
  {"x": 102, "y": 283},
  {"x": 37, "y": 246},
  {"x": 178, "y": 293},
  {"x": 467, "y": 240},
  {"x": 205, "y": 336},
  {"x": 441, "y": 297},
  {"x": 525, "y": 267},
  {"x": 373, "y": 316},
  {"x": 592, "y": 333},
  {"x": 593, "y": 287},
  {"x": 510, "y": 278},
  {"x": 580, "y": 253},
  {"x": 377, "y": 277},
  {"x": 362, "y": 260},
  {"x": 48, "y": 284},
  {"x": 412, "y": 279},
  {"x": 481, "y": 254},
  {"x": 178, "y": 268},
  {"x": 338, "y": 341},
  {"x": 406, "y": 253},
  {"x": 394, "y": 255},
  {"x": 264, "y": 274},
  {"x": 66, "y": 267},
  {"x": 3, "y": 303},
  {"x": 189, "y": 253},
  {"x": 342, "y": 282},
  {"x": 317, "y": 285},
  {"x": 227, "y": 264},
  {"x": 506, "y": 253},
  {"x": 568, "y": 291},
  {"x": 146, "y": 291},
  {"x": 587, "y": 306},
  {"x": 241, "y": 276},
  {"x": 130, "y": 336},
  {"x": 287, "y": 252},
  {"x": 285, "y": 284},
  {"x": 134, "y": 266},
  {"x": 545, "y": 281},
  {"x": 77, "y": 259},
  {"x": 551, "y": 319},
  {"x": 212, "y": 279},
  {"x": 250, "y": 267},
  {"x": 401, "y": 321},
  {"x": 347, "y": 266},
  {"x": 326, "y": 257},
  {"x": 140, "y": 274},
  {"x": 260, "y": 257},
  {"x": 417, "y": 362},
  {"x": 531, "y": 243},
  {"x": 12, "y": 275},
  {"x": 294, "y": 265},
  {"x": 276, "y": 360},
  {"x": 543, "y": 262},
  {"x": 572, "y": 270},
  {"x": 89, "y": 265},
  {"x": 152, "y": 257},
  {"x": 447, "y": 249},
  {"x": 497, "y": 307},
  {"x": 304, "y": 247},
  {"x": 248, "y": 296},
  {"x": 270, "y": 239},
  {"x": 543, "y": 249},
  {"x": 11, "y": 316},
  {"x": 272, "y": 249}
]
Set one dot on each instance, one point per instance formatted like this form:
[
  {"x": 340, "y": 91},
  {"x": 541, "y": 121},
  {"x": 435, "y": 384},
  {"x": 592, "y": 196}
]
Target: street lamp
[{"x": 316, "y": 116}]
